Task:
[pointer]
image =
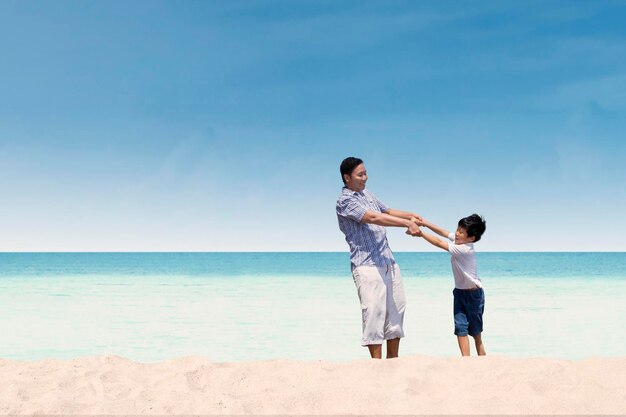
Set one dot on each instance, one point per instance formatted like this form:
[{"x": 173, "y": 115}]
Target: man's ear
[{"x": 346, "y": 178}]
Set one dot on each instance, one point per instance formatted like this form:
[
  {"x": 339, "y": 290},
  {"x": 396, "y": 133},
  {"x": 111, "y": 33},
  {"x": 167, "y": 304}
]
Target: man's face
[{"x": 356, "y": 181}]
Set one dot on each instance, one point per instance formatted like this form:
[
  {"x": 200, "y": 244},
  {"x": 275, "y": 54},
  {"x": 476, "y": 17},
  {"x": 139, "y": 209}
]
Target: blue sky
[{"x": 220, "y": 126}]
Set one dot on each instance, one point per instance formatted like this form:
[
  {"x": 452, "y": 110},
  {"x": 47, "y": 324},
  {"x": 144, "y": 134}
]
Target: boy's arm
[
  {"x": 435, "y": 241},
  {"x": 439, "y": 230}
]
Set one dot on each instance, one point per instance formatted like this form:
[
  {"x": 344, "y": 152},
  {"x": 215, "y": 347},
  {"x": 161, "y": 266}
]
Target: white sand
[{"x": 409, "y": 385}]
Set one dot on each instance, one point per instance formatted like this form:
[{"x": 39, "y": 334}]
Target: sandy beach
[{"x": 409, "y": 385}]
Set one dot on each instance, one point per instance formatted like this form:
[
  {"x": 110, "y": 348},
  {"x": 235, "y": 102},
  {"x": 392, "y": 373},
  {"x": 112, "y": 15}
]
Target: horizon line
[{"x": 284, "y": 251}]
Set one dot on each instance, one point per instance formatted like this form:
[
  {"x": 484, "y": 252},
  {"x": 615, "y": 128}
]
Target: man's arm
[
  {"x": 403, "y": 214},
  {"x": 439, "y": 230},
  {"x": 384, "y": 219}
]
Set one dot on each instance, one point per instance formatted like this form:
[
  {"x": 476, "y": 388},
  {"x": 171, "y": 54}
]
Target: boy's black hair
[
  {"x": 348, "y": 165},
  {"x": 475, "y": 226}
]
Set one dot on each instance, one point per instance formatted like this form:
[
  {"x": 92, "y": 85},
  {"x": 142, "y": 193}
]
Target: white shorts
[{"x": 382, "y": 302}]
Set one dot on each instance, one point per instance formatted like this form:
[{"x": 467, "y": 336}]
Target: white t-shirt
[{"x": 463, "y": 261}]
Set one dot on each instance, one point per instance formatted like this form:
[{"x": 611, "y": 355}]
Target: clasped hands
[{"x": 413, "y": 229}]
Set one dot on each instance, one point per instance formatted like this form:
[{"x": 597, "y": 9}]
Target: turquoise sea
[{"x": 257, "y": 306}]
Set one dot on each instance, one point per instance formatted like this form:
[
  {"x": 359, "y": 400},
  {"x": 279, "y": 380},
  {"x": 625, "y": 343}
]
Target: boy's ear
[{"x": 473, "y": 238}]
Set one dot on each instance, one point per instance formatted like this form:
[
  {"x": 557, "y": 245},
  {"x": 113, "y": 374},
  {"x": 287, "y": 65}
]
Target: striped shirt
[{"x": 368, "y": 242}]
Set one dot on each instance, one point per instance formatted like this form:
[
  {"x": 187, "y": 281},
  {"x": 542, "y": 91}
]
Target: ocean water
[{"x": 258, "y": 306}]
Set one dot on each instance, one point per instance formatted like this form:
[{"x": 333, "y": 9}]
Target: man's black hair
[
  {"x": 348, "y": 165},
  {"x": 475, "y": 226}
]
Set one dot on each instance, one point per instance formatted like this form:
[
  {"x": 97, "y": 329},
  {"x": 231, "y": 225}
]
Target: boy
[{"x": 469, "y": 297}]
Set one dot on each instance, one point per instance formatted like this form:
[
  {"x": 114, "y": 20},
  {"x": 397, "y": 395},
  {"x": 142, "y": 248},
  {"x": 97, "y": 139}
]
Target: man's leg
[
  {"x": 480, "y": 349},
  {"x": 393, "y": 347},
  {"x": 464, "y": 345},
  {"x": 396, "y": 304},
  {"x": 372, "y": 294},
  {"x": 376, "y": 351}
]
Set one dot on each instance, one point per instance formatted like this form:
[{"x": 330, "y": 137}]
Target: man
[{"x": 377, "y": 277}]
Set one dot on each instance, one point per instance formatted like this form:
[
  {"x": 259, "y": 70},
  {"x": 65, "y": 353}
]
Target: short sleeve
[
  {"x": 351, "y": 208},
  {"x": 383, "y": 208},
  {"x": 459, "y": 249}
]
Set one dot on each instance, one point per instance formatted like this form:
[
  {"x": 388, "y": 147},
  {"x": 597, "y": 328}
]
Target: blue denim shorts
[{"x": 469, "y": 306}]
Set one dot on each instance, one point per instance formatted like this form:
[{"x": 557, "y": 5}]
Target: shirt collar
[{"x": 350, "y": 192}]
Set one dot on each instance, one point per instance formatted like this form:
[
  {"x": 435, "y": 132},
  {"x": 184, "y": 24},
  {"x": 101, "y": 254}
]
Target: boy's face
[{"x": 460, "y": 236}]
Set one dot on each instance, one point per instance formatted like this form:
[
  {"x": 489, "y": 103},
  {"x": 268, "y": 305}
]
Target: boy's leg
[
  {"x": 480, "y": 348},
  {"x": 460, "y": 321},
  {"x": 464, "y": 345},
  {"x": 475, "y": 318}
]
